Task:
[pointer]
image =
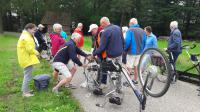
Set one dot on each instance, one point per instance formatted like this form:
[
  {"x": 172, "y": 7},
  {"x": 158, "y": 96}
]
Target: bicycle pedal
[
  {"x": 115, "y": 100},
  {"x": 98, "y": 92},
  {"x": 114, "y": 78}
]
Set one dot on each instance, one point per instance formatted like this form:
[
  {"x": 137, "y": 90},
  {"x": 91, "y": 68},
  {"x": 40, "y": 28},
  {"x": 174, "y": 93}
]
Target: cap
[
  {"x": 41, "y": 26},
  {"x": 92, "y": 26}
]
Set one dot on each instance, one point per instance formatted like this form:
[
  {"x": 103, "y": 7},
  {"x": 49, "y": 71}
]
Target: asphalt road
[{"x": 181, "y": 97}]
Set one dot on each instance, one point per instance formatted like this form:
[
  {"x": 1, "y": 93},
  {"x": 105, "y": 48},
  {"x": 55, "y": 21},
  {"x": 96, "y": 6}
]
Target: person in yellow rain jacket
[{"x": 27, "y": 55}]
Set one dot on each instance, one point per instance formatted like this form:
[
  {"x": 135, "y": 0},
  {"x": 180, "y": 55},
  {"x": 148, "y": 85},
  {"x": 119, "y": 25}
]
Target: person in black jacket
[
  {"x": 39, "y": 36},
  {"x": 61, "y": 60}
]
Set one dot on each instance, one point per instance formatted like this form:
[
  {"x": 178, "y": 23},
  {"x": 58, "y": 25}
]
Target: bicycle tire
[{"x": 152, "y": 66}]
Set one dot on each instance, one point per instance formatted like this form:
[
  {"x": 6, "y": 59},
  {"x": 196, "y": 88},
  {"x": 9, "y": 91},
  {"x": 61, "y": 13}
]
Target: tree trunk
[
  {"x": 1, "y": 23},
  {"x": 122, "y": 19},
  {"x": 188, "y": 18}
]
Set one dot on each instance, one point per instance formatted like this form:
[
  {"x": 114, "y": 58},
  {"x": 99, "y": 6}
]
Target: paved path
[{"x": 181, "y": 97}]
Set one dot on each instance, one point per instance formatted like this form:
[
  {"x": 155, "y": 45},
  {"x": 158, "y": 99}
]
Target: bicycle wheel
[
  {"x": 91, "y": 75},
  {"x": 154, "y": 65}
]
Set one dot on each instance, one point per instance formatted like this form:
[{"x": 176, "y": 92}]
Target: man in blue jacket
[
  {"x": 61, "y": 61},
  {"x": 134, "y": 46},
  {"x": 111, "y": 41},
  {"x": 175, "y": 40}
]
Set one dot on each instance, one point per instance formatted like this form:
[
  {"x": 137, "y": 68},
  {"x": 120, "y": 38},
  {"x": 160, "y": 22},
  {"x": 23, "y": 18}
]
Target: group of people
[
  {"x": 109, "y": 42},
  {"x": 32, "y": 42},
  {"x": 128, "y": 44}
]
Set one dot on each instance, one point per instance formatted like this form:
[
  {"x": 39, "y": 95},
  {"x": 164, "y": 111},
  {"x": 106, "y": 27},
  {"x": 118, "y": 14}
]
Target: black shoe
[
  {"x": 115, "y": 100},
  {"x": 135, "y": 82},
  {"x": 98, "y": 92}
]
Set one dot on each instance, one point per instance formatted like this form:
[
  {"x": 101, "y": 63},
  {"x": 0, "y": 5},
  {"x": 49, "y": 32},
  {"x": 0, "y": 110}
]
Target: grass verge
[{"x": 11, "y": 76}]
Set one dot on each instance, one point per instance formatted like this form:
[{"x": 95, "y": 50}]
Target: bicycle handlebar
[{"x": 189, "y": 46}]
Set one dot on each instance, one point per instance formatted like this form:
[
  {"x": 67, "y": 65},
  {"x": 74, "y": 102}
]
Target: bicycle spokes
[{"x": 154, "y": 63}]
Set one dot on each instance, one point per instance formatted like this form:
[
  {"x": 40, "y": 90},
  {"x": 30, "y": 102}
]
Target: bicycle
[
  {"x": 195, "y": 61},
  {"x": 170, "y": 58},
  {"x": 157, "y": 63},
  {"x": 147, "y": 73},
  {"x": 173, "y": 67},
  {"x": 91, "y": 74}
]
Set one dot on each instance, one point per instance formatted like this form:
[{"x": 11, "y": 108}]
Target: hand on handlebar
[
  {"x": 84, "y": 65},
  {"x": 89, "y": 57}
]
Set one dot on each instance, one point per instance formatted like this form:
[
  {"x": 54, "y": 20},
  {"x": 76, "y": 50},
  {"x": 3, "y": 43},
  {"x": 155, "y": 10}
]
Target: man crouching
[{"x": 61, "y": 60}]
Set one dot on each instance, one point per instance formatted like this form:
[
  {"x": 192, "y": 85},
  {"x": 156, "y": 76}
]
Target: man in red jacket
[{"x": 79, "y": 31}]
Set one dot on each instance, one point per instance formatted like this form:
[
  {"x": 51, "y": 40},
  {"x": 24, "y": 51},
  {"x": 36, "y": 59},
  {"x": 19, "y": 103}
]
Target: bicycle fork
[{"x": 141, "y": 96}]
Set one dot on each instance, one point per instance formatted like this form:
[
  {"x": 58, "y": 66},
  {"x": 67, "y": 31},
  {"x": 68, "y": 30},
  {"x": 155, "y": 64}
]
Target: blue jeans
[
  {"x": 27, "y": 77},
  {"x": 175, "y": 56}
]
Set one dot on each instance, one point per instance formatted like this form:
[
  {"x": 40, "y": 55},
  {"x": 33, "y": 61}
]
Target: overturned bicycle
[{"x": 153, "y": 70}]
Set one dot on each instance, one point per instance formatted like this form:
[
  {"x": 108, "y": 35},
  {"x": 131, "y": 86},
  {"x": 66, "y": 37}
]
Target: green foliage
[
  {"x": 29, "y": 10},
  {"x": 156, "y": 13}
]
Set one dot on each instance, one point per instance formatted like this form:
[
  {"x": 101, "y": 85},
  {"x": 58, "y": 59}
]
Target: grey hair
[
  {"x": 106, "y": 19},
  {"x": 75, "y": 36},
  {"x": 80, "y": 25},
  {"x": 174, "y": 24},
  {"x": 133, "y": 21},
  {"x": 57, "y": 25}
]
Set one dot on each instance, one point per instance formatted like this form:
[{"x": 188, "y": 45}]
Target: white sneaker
[
  {"x": 55, "y": 90},
  {"x": 27, "y": 95},
  {"x": 71, "y": 86},
  {"x": 83, "y": 85}
]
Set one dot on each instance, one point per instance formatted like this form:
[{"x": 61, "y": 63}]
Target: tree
[
  {"x": 4, "y": 6},
  {"x": 120, "y": 9},
  {"x": 28, "y": 10},
  {"x": 156, "y": 13},
  {"x": 190, "y": 17}
]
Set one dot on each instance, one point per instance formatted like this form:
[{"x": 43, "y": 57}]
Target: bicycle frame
[
  {"x": 195, "y": 65},
  {"x": 141, "y": 96},
  {"x": 173, "y": 66}
]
